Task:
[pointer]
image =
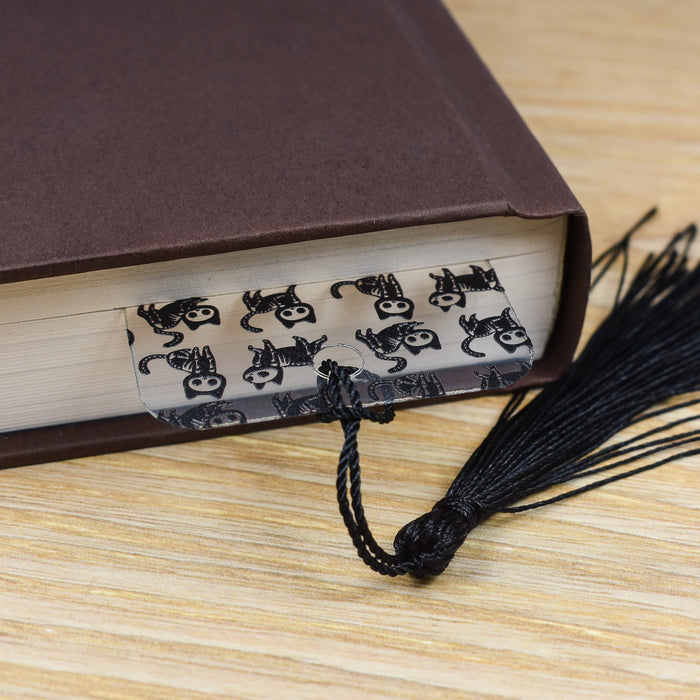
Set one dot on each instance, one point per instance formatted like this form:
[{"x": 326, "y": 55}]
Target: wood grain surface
[{"x": 222, "y": 569}]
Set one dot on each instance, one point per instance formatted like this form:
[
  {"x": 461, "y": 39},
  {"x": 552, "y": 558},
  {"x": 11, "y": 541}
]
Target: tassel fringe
[{"x": 645, "y": 352}]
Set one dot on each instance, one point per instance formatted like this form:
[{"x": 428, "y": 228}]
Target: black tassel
[{"x": 646, "y": 351}]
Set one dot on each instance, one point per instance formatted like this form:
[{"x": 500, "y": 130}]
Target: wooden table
[{"x": 222, "y": 568}]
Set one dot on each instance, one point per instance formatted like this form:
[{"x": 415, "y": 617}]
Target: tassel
[{"x": 646, "y": 351}]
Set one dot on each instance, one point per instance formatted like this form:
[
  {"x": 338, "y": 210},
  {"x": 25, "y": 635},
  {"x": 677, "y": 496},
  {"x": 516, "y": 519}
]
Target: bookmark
[
  {"x": 645, "y": 352},
  {"x": 257, "y": 355}
]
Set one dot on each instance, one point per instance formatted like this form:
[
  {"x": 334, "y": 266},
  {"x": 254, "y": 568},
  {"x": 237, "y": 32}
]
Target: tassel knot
[
  {"x": 353, "y": 414},
  {"x": 469, "y": 509},
  {"x": 428, "y": 543},
  {"x": 339, "y": 380}
]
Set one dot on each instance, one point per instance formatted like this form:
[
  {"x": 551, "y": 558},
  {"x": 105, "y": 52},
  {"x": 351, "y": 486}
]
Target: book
[{"x": 164, "y": 151}]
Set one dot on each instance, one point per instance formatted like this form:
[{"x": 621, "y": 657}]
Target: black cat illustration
[
  {"x": 423, "y": 385},
  {"x": 269, "y": 362},
  {"x": 404, "y": 335},
  {"x": 496, "y": 379},
  {"x": 192, "y": 312},
  {"x": 217, "y": 414},
  {"x": 390, "y": 299},
  {"x": 202, "y": 377},
  {"x": 451, "y": 290},
  {"x": 287, "y": 406},
  {"x": 287, "y": 307},
  {"x": 506, "y": 331}
]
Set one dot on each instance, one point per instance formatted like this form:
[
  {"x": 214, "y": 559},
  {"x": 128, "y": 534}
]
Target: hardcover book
[{"x": 174, "y": 153}]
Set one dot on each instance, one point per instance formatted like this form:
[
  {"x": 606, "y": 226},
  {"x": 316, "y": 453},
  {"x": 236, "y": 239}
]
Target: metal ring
[{"x": 356, "y": 373}]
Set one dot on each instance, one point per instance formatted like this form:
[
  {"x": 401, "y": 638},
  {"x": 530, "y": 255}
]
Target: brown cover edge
[{"x": 573, "y": 300}]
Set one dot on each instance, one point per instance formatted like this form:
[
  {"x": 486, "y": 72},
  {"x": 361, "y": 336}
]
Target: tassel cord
[
  {"x": 562, "y": 474},
  {"x": 532, "y": 435},
  {"x": 615, "y": 414},
  {"x": 668, "y": 409},
  {"x": 630, "y": 395},
  {"x": 353, "y": 516},
  {"x": 635, "y": 374},
  {"x": 608, "y": 257},
  {"x": 627, "y": 446},
  {"x": 687, "y": 342},
  {"x": 597, "y": 350},
  {"x": 349, "y": 474},
  {"x": 538, "y": 448},
  {"x": 670, "y": 336},
  {"x": 601, "y": 482},
  {"x": 637, "y": 452}
]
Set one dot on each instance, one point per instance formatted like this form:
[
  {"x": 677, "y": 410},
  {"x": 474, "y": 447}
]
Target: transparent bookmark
[{"x": 256, "y": 355}]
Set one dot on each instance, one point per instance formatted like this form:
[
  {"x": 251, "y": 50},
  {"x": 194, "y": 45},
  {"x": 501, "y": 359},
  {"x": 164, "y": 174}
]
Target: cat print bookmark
[{"x": 257, "y": 355}]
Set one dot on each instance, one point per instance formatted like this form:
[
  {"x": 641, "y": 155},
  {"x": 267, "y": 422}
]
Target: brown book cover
[{"x": 139, "y": 132}]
